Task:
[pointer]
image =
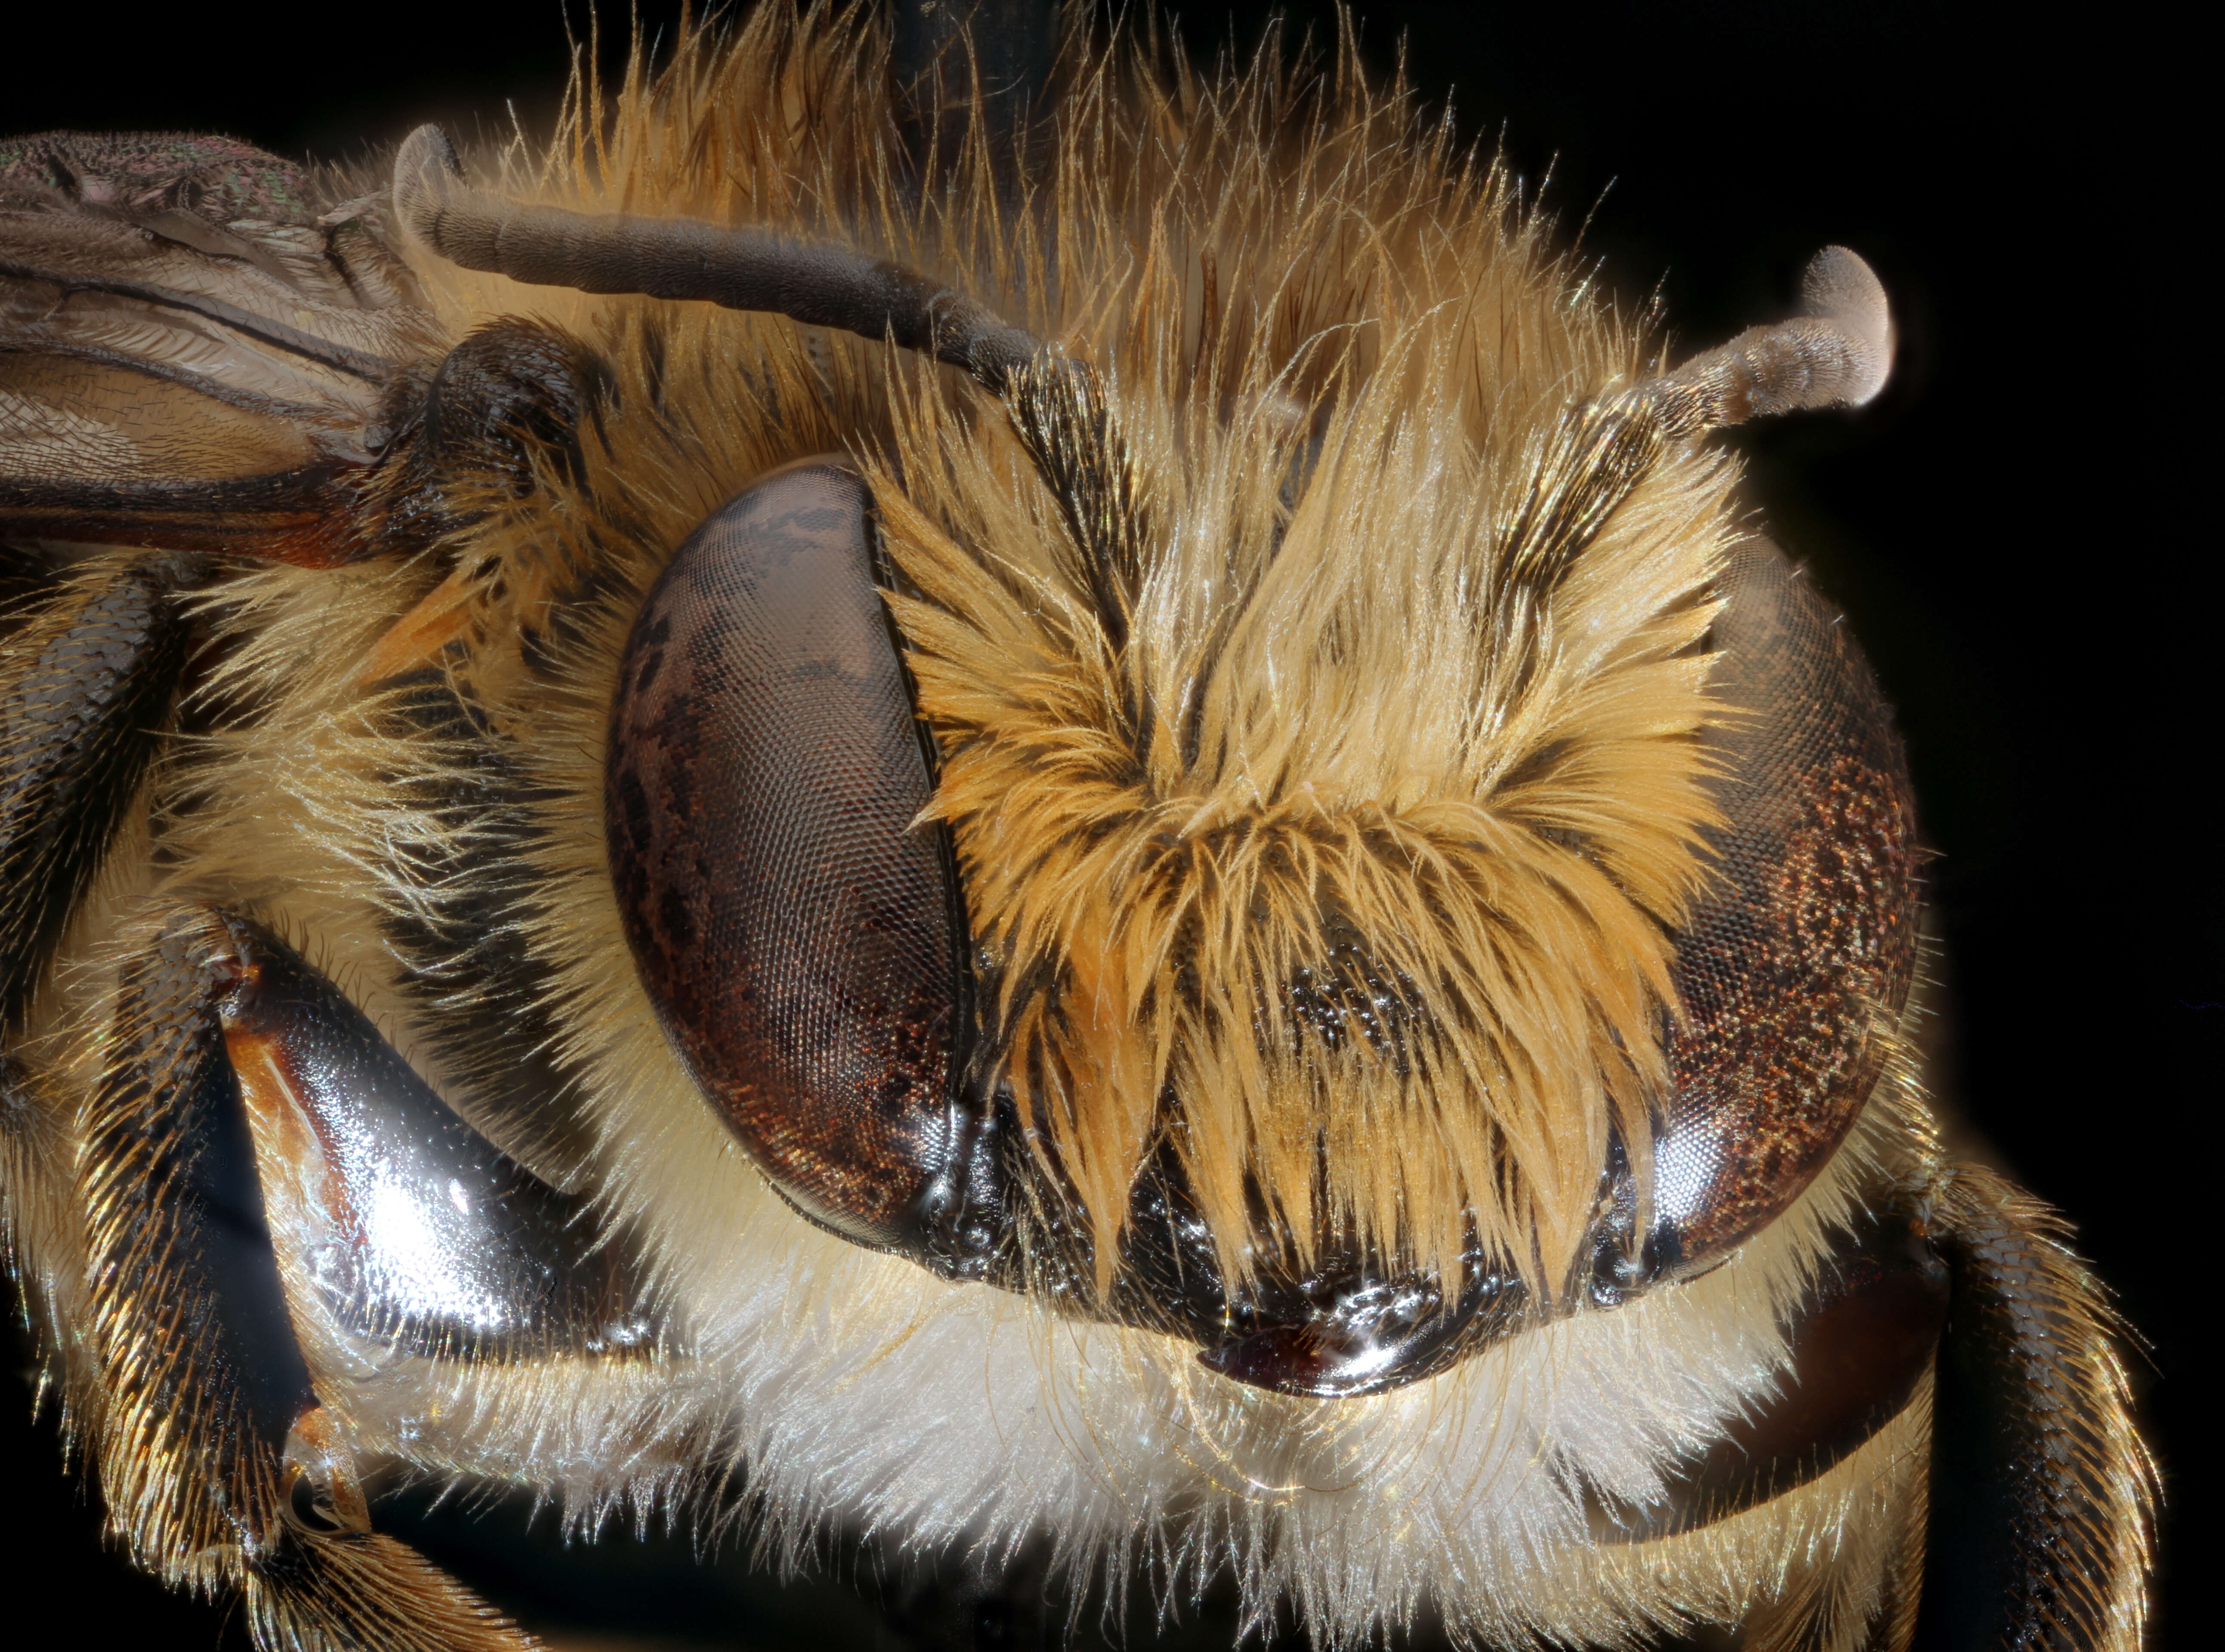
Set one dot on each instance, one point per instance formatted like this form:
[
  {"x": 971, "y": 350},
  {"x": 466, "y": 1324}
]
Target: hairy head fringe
[{"x": 1319, "y": 873}]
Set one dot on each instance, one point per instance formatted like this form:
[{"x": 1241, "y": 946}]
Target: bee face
[{"x": 1273, "y": 953}]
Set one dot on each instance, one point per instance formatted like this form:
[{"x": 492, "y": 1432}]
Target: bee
[{"x": 957, "y": 784}]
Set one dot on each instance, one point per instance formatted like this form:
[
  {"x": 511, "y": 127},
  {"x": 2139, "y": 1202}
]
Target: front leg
[
  {"x": 86, "y": 687},
  {"x": 283, "y": 1222}
]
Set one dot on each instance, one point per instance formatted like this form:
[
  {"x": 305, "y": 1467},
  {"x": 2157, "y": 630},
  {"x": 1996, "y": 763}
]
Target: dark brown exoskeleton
[{"x": 268, "y": 1248}]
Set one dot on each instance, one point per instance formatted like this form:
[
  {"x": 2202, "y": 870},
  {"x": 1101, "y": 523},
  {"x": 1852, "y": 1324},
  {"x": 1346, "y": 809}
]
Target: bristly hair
[
  {"x": 1317, "y": 685},
  {"x": 1318, "y": 682},
  {"x": 1327, "y": 791}
]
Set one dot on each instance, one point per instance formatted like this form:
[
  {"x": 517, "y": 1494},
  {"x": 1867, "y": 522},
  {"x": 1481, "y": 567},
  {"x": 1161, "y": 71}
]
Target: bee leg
[
  {"x": 2042, "y": 1492},
  {"x": 220, "y": 1466},
  {"x": 86, "y": 687}
]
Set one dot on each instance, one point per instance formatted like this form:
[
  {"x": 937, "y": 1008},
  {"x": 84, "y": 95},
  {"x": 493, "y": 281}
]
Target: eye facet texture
[
  {"x": 796, "y": 930},
  {"x": 1797, "y": 960}
]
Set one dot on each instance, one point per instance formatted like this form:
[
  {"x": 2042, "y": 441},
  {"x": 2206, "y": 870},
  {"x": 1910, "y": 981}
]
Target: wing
[{"x": 197, "y": 348}]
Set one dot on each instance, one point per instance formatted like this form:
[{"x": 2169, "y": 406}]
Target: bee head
[{"x": 1324, "y": 746}]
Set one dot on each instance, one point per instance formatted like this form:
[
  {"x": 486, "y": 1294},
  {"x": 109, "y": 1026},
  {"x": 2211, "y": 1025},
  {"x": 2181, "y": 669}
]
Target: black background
[{"x": 2017, "y": 529}]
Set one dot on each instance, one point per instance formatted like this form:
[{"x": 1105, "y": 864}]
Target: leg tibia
[
  {"x": 263, "y": 1175},
  {"x": 2044, "y": 1505},
  {"x": 201, "y": 1375}
]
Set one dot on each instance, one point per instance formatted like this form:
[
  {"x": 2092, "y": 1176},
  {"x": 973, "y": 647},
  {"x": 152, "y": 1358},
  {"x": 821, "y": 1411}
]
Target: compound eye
[
  {"x": 797, "y": 932},
  {"x": 1797, "y": 961}
]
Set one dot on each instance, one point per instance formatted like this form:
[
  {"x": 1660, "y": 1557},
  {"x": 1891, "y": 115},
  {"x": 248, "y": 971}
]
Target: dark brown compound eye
[
  {"x": 1801, "y": 953},
  {"x": 799, "y": 935}
]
